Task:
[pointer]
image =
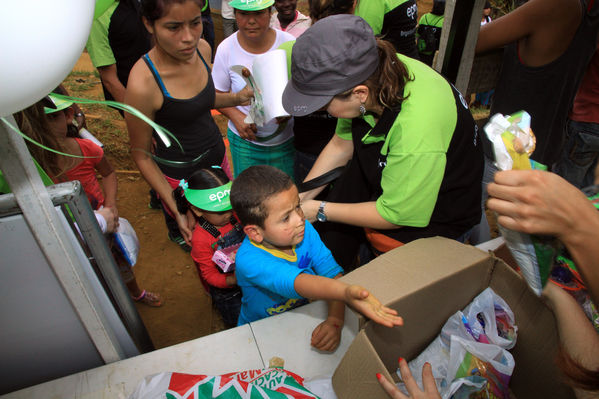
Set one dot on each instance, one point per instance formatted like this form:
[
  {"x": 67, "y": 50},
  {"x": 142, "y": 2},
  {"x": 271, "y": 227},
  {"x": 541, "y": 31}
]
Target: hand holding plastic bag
[{"x": 127, "y": 241}]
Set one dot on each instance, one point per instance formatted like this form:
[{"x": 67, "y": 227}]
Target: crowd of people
[{"x": 379, "y": 149}]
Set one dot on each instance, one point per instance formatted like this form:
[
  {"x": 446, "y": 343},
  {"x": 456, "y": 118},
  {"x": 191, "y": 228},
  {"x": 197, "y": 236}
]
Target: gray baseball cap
[{"x": 332, "y": 56}]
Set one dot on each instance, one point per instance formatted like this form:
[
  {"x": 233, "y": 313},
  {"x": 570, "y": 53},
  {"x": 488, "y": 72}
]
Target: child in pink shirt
[{"x": 88, "y": 159}]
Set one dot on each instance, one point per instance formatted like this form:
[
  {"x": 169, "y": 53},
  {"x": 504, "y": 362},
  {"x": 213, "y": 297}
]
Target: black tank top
[
  {"x": 547, "y": 92},
  {"x": 191, "y": 122}
]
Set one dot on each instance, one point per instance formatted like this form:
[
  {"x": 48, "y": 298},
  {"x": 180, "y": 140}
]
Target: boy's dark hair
[
  {"x": 200, "y": 180},
  {"x": 252, "y": 188}
]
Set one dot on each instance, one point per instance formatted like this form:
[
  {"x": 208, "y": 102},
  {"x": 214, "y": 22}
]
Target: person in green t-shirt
[
  {"x": 413, "y": 155},
  {"x": 392, "y": 20},
  {"x": 428, "y": 35}
]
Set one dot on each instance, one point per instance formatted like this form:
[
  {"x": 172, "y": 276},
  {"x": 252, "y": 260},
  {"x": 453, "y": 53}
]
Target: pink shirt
[
  {"x": 295, "y": 27},
  {"x": 85, "y": 172}
]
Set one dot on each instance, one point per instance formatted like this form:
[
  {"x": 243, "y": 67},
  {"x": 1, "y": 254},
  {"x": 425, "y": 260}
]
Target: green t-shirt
[
  {"x": 287, "y": 47},
  {"x": 98, "y": 47},
  {"x": 373, "y": 11},
  {"x": 431, "y": 19},
  {"x": 416, "y": 147}
]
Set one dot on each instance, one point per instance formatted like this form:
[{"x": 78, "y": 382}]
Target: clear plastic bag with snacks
[
  {"x": 262, "y": 383},
  {"x": 480, "y": 369},
  {"x": 488, "y": 319},
  {"x": 513, "y": 142}
]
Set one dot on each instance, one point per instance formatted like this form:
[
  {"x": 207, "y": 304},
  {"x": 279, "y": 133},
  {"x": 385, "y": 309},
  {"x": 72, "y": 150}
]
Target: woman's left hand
[
  {"x": 245, "y": 95},
  {"x": 310, "y": 208},
  {"x": 428, "y": 382}
]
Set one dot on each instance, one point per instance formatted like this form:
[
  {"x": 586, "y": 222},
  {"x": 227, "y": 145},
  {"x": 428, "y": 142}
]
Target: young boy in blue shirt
[{"x": 282, "y": 262}]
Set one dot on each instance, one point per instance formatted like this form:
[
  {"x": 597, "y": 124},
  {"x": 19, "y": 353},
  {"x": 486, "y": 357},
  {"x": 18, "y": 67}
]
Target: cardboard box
[{"x": 427, "y": 281}]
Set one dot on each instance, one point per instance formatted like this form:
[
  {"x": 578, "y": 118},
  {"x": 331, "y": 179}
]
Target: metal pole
[
  {"x": 459, "y": 35},
  {"x": 42, "y": 219},
  {"x": 71, "y": 193},
  {"x": 96, "y": 242}
]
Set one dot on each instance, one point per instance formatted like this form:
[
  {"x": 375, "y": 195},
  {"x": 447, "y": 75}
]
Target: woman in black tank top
[{"x": 172, "y": 85}]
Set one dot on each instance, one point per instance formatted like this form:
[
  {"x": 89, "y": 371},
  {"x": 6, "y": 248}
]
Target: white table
[{"x": 242, "y": 348}]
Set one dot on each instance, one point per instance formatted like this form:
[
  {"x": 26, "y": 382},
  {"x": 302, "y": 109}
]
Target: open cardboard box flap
[{"x": 427, "y": 281}]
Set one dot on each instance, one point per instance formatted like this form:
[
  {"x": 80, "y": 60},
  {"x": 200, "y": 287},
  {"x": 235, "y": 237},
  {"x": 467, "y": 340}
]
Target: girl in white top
[{"x": 272, "y": 143}]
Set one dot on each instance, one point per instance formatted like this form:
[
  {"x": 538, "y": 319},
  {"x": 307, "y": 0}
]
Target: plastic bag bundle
[
  {"x": 127, "y": 241},
  {"x": 478, "y": 368},
  {"x": 263, "y": 383},
  {"x": 487, "y": 320}
]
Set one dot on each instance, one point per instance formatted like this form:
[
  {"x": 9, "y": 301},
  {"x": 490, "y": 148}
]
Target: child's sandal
[{"x": 149, "y": 298}]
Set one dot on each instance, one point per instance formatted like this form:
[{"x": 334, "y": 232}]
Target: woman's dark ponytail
[{"x": 390, "y": 78}]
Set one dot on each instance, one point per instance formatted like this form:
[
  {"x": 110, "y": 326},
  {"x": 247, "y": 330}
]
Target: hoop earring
[{"x": 362, "y": 109}]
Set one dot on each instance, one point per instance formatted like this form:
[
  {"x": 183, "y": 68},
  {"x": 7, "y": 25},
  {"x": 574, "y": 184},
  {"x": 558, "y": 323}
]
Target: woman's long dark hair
[
  {"x": 155, "y": 9},
  {"x": 388, "y": 81},
  {"x": 200, "y": 180},
  {"x": 33, "y": 122}
]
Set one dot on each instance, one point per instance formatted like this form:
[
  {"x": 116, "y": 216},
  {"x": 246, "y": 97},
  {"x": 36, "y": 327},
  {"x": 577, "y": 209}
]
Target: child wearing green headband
[{"x": 206, "y": 195}]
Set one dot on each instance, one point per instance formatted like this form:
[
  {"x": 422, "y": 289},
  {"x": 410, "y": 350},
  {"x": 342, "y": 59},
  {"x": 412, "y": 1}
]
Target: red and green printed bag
[{"x": 265, "y": 383}]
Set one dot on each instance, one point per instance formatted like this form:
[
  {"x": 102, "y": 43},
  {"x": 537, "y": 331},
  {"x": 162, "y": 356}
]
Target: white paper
[{"x": 268, "y": 80}]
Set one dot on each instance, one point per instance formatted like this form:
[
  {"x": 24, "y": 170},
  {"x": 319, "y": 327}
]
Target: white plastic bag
[
  {"x": 487, "y": 319},
  {"x": 127, "y": 241},
  {"x": 492, "y": 319}
]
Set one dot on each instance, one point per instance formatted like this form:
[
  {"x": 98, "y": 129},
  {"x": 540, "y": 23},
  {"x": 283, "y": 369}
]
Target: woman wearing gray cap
[{"x": 414, "y": 162}]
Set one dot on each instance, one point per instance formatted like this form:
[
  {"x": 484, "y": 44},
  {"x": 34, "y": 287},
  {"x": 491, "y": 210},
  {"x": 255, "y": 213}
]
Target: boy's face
[{"x": 284, "y": 226}]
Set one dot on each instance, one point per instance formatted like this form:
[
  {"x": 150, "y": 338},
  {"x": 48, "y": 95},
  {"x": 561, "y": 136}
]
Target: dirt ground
[{"x": 162, "y": 266}]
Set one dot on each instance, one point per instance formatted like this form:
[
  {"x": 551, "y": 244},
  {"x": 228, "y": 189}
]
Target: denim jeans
[
  {"x": 228, "y": 303},
  {"x": 579, "y": 156}
]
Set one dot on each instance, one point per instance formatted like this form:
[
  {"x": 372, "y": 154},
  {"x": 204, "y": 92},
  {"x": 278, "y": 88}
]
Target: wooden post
[{"x": 461, "y": 25}]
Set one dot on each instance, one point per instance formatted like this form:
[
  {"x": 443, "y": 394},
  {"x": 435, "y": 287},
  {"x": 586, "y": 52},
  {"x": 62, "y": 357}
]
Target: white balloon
[{"x": 40, "y": 42}]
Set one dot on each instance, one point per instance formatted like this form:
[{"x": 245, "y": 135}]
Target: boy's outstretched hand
[
  {"x": 327, "y": 335},
  {"x": 361, "y": 300}
]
